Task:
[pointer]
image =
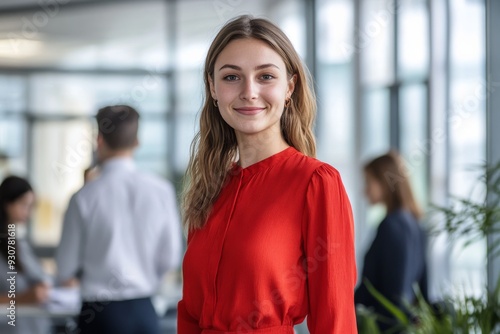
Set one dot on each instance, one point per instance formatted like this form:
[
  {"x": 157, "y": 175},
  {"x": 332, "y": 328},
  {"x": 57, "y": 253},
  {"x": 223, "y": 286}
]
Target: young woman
[
  {"x": 270, "y": 230},
  {"x": 16, "y": 201},
  {"x": 396, "y": 260}
]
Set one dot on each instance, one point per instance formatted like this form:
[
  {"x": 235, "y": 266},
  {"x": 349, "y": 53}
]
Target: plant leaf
[{"x": 393, "y": 309}]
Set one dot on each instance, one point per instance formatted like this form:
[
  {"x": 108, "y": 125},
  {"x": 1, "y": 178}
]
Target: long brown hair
[
  {"x": 214, "y": 147},
  {"x": 390, "y": 172}
]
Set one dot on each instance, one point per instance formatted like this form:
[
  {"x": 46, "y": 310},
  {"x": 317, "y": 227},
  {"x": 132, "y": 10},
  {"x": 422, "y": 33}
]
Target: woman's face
[
  {"x": 373, "y": 189},
  {"x": 251, "y": 84},
  {"x": 20, "y": 210}
]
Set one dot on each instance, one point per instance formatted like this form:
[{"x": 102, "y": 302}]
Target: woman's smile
[{"x": 250, "y": 111}]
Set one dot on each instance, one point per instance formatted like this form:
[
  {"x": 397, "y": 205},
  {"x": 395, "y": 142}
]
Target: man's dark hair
[{"x": 118, "y": 126}]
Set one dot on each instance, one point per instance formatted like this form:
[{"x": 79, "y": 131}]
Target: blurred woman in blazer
[{"x": 396, "y": 260}]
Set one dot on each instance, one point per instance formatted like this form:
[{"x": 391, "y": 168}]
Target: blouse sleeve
[
  {"x": 186, "y": 324},
  {"x": 330, "y": 259}
]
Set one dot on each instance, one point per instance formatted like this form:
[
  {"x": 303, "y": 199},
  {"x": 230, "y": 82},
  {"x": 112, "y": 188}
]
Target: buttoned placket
[{"x": 220, "y": 237}]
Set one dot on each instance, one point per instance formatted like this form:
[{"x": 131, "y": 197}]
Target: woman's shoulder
[
  {"x": 313, "y": 167},
  {"x": 400, "y": 223},
  {"x": 313, "y": 175}
]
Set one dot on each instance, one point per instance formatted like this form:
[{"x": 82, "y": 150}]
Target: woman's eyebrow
[{"x": 260, "y": 67}]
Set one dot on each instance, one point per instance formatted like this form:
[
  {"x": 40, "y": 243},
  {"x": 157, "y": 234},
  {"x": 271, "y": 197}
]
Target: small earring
[
  {"x": 287, "y": 103},
  {"x": 216, "y": 105}
]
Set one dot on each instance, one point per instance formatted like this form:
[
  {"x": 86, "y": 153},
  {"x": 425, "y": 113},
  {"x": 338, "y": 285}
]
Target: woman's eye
[
  {"x": 231, "y": 77},
  {"x": 267, "y": 77}
]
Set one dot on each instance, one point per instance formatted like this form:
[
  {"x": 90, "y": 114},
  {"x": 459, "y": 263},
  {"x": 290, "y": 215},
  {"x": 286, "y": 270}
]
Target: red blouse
[{"x": 278, "y": 246}]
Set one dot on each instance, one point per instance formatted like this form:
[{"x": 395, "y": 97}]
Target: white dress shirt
[{"x": 122, "y": 232}]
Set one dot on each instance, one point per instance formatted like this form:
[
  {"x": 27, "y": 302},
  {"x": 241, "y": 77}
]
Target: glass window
[
  {"x": 85, "y": 94},
  {"x": 415, "y": 147},
  {"x": 57, "y": 173},
  {"x": 12, "y": 93},
  {"x": 12, "y": 146},
  {"x": 335, "y": 120},
  {"x": 467, "y": 131},
  {"x": 336, "y": 116},
  {"x": 12, "y": 134},
  {"x": 151, "y": 154},
  {"x": 413, "y": 38},
  {"x": 187, "y": 127},
  {"x": 375, "y": 123},
  {"x": 152, "y": 138},
  {"x": 190, "y": 90},
  {"x": 335, "y": 22},
  {"x": 375, "y": 42}
]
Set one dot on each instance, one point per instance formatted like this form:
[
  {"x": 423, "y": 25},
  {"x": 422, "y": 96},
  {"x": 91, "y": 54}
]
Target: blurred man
[{"x": 121, "y": 234}]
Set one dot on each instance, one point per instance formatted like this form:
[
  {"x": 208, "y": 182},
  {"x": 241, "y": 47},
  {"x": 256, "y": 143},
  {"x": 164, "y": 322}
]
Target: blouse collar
[{"x": 265, "y": 163}]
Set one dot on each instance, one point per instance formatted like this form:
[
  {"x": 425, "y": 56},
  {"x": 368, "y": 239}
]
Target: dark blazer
[{"x": 395, "y": 261}]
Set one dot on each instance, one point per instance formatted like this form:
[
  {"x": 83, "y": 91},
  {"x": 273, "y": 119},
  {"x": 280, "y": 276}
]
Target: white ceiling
[{"x": 104, "y": 35}]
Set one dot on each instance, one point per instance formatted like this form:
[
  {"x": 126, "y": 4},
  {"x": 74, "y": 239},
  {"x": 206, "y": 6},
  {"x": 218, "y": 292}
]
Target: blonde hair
[
  {"x": 214, "y": 148},
  {"x": 390, "y": 172}
]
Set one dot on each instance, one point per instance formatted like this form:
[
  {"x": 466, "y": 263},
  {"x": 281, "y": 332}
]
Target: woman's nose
[{"x": 249, "y": 90}]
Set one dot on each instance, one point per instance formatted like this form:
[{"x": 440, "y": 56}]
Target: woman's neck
[{"x": 255, "y": 148}]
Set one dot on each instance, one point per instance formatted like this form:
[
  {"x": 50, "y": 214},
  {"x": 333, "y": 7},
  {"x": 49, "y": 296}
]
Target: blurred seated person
[
  {"x": 30, "y": 287},
  {"x": 396, "y": 260}
]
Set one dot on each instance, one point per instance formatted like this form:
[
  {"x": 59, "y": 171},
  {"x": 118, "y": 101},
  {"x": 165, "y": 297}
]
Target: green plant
[
  {"x": 472, "y": 220},
  {"x": 459, "y": 315},
  {"x": 479, "y": 315},
  {"x": 367, "y": 320}
]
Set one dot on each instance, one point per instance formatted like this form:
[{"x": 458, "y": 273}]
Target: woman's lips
[{"x": 249, "y": 110}]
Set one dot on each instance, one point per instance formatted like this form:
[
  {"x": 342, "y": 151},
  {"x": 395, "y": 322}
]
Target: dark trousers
[{"x": 136, "y": 316}]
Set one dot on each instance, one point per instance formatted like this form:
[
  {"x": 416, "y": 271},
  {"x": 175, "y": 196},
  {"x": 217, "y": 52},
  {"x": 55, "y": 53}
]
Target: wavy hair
[{"x": 214, "y": 148}]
